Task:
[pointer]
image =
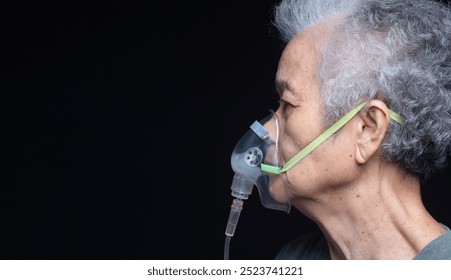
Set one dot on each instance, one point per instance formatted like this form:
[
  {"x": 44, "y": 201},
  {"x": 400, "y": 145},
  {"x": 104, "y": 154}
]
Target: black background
[{"x": 119, "y": 121}]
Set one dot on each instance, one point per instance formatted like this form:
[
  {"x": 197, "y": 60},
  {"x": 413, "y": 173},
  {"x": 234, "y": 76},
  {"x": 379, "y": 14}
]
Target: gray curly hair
[{"x": 398, "y": 50}]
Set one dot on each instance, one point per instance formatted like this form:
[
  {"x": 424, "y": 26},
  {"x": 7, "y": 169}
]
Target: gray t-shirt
[{"x": 313, "y": 246}]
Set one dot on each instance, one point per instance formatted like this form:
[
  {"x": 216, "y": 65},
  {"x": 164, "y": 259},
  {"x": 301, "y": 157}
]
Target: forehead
[{"x": 300, "y": 57}]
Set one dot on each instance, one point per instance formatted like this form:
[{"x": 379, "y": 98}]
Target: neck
[{"x": 377, "y": 216}]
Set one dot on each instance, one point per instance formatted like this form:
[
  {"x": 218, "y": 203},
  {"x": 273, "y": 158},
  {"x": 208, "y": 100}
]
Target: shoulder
[
  {"x": 438, "y": 249},
  {"x": 310, "y": 246}
]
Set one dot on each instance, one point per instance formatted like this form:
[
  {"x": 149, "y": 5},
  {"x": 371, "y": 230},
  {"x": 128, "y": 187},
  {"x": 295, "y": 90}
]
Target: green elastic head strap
[{"x": 320, "y": 139}]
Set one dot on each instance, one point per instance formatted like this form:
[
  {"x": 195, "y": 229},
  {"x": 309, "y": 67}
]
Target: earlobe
[{"x": 371, "y": 130}]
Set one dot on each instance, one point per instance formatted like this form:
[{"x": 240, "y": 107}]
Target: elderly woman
[{"x": 365, "y": 113}]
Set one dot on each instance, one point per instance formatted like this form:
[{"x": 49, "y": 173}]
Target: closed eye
[{"x": 286, "y": 104}]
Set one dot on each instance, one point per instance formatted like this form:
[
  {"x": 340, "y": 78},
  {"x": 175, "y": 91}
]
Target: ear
[{"x": 371, "y": 130}]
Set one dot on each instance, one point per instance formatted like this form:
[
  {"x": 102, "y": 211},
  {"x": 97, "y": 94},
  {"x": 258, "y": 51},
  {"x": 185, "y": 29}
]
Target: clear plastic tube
[
  {"x": 227, "y": 247},
  {"x": 235, "y": 211}
]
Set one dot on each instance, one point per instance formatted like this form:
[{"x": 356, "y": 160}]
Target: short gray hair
[{"x": 397, "y": 50}]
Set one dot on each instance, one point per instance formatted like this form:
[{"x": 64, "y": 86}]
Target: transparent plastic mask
[{"x": 259, "y": 145}]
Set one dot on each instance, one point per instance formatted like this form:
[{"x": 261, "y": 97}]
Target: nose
[{"x": 271, "y": 126}]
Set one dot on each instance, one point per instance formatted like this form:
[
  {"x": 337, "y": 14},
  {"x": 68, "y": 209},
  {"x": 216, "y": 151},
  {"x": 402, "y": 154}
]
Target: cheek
[
  {"x": 340, "y": 159},
  {"x": 295, "y": 136},
  {"x": 290, "y": 139},
  {"x": 327, "y": 167}
]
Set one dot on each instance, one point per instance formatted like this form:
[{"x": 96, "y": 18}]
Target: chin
[{"x": 279, "y": 192}]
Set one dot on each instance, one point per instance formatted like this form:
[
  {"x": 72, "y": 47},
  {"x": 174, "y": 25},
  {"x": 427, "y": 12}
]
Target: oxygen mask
[{"x": 256, "y": 147}]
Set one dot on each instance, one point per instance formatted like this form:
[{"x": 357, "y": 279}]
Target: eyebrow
[{"x": 282, "y": 85}]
